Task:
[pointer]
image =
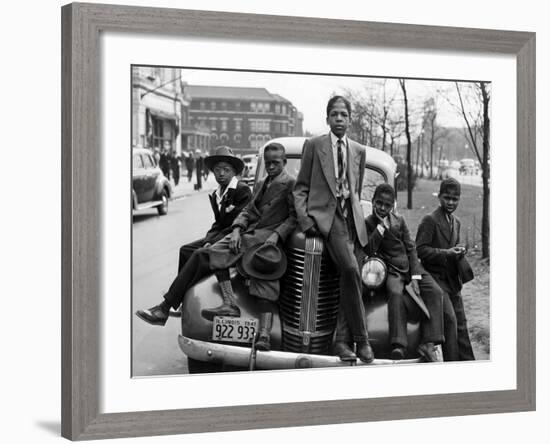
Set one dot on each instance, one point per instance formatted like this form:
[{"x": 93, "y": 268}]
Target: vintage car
[
  {"x": 250, "y": 165},
  {"x": 302, "y": 334},
  {"x": 150, "y": 188}
]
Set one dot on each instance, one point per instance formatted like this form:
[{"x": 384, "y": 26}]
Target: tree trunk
[
  {"x": 485, "y": 227},
  {"x": 408, "y": 134}
]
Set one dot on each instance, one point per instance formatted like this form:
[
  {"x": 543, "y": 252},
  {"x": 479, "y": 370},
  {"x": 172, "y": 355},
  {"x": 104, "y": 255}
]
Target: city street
[{"x": 156, "y": 242}]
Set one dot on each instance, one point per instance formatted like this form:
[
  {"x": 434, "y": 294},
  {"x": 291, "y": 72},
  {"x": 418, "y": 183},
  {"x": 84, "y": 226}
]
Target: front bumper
[{"x": 272, "y": 360}]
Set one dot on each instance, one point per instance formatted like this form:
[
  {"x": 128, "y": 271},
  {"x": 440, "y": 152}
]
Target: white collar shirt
[
  {"x": 219, "y": 194},
  {"x": 342, "y": 190}
]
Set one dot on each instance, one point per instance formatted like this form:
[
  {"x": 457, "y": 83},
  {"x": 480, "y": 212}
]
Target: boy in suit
[
  {"x": 437, "y": 244},
  {"x": 390, "y": 240},
  {"x": 267, "y": 219},
  {"x": 227, "y": 200},
  {"x": 327, "y": 199}
]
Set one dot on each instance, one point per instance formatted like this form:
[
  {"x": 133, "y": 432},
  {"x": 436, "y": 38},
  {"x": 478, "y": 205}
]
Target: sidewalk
[{"x": 186, "y": 188}]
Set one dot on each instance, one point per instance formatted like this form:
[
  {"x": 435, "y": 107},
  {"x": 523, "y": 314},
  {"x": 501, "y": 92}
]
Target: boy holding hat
[
  {"x": 269, "y": 218},
  {"x": 390, "y": 240},
  {"x": 437, "y": 244},
  {"x": 227, "y": 200}
]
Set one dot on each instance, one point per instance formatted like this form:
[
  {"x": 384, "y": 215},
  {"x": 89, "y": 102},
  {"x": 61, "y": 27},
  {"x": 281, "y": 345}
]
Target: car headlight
[{"x": 374, "y": 273}]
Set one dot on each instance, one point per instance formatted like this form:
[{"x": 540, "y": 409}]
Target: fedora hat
[
  {"x": 224, "y": 154},
  {"x": 263, "y": 261}
]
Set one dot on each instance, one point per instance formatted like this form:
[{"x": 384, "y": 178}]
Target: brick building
[{"x": 243, "y": 118}]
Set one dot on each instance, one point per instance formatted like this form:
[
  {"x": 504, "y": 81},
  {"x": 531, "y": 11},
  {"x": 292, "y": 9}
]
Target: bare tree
[
  {"x": 478, "y": 127},
  {"x": 408, "y": 134},
  {"x": 433, "y": 130}
]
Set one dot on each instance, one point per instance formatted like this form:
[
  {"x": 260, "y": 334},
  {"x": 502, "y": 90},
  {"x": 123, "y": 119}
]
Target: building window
[
  {"x": 213, "y": 106},
  {"x": 203, "y": 106},
  {"x": 224, "y": 105},
  {"x": 224, "y": 138},
  {"x": 238, "y": 106},
  {"x": 213, "y": 124},
  {"x": 237, "y": 138},
  {"x": 253, "y": 106},
  {"x": 224, "y": 125},
  {"x": 238, "y": 125},
  {"x": 277, "y": 109}
]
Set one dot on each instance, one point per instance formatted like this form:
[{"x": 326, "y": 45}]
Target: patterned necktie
[
  {"x": 340, "y": 181},
  {"x": 340, "y": 166}
]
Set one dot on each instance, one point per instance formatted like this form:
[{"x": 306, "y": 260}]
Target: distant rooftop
[{"x": 231, "y": 92}]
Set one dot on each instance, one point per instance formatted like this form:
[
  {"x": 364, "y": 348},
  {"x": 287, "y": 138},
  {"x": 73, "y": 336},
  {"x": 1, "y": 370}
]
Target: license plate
[{"x": 227, "y": 329}]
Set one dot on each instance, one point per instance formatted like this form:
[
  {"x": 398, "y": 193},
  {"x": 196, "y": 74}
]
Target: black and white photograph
[{"x": 285, "y": 221}]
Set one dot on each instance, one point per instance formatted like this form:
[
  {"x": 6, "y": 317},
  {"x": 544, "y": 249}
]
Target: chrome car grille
[{"x": 309, "y": 299}]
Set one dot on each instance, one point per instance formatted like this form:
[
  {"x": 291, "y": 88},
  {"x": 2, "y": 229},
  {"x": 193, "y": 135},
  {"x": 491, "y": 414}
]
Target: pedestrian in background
[
  {"x": 164, "y": 163},
  {"x": 175, "y": 165},
  {"x": 199, "y": 165},
  {"x": 190, "y": 165}
]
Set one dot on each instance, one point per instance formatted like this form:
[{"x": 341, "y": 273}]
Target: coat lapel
[
  {"x": 226, "y": 201},
  {"x": 327, "y": 163},
  {"x": 444, "y": 225},
  {"x": 354, "y": 158},
  {"x": 215, "y": 209},
  {"x": 273, "y": 188}
]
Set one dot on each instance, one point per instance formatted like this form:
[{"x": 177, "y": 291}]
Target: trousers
[{"x": 341, "y": 246}]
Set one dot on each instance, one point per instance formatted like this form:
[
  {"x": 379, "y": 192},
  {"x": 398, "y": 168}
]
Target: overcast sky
[{"x": 309, "y": 93}]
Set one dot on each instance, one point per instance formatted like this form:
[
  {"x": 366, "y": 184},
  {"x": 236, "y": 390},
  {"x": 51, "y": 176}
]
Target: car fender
[
  {"x": 162, "y": 184},
  {"x": 207, "y": 294}
]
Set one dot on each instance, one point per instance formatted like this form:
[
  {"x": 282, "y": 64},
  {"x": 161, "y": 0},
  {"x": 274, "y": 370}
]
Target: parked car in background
[
  {"x": 250, "y": 165},
  {"x": 150, "y": 188},
  {"x": 467, "y": 167},
  {"x": 303, "y": 329}
]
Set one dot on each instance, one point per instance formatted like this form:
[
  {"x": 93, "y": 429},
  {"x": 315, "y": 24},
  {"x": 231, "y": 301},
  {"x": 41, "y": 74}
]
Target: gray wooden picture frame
[{"x": 81, "y": 172}]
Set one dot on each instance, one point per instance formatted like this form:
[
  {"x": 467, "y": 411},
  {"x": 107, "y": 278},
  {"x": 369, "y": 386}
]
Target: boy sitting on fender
[{"x": 390, "y": 240}]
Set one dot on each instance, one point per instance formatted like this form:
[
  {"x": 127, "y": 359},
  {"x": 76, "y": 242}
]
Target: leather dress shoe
[
  {"x": 429, "y": 352},
  {"x": 398, "y": 353},
  {"x": 344, "y": 351},
  {"x": 156, "y": 315},
  {"x": 222, "y": 310},
  {"x": 364, "y": 352}
]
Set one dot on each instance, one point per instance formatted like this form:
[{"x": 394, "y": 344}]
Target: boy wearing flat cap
[{"x": 439, "y": 249}]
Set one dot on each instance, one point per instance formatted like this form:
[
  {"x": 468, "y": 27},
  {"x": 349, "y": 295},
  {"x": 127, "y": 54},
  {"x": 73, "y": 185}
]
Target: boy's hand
[
  {"x": 312, "y": 231},
  {"x": 273, "y": 239},
  {"x": 235, "y": 241},
  {"x": 415, "y": 286},
  {"x": 456, "y": 251}
]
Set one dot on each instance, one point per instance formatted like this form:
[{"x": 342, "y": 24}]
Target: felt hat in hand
[{"x": 263, "y": 261}]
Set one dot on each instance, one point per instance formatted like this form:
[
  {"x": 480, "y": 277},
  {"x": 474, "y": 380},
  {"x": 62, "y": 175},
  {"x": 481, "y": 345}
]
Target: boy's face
[
  {"x": 274, "y": 162},
  {"x": 223, "y": 172},
  {"x": 382, "y": 204},
  {"x": 449, "y": 200},
  {"x": 338, "y": 119}
]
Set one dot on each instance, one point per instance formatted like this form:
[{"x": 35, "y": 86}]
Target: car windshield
[{"x": 372, "y": 179}]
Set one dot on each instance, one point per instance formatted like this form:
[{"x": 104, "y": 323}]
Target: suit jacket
[
  {"x": 435, "y": 235},
  {"x": 263, "y": 215},
  {"x": 232, "y": 204},
  {"x": 395, "y": 247},
  {"x": 315, "y": 190}
]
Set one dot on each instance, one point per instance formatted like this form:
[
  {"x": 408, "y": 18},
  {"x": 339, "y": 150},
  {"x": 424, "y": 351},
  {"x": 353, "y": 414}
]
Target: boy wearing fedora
[
  {"x": 227, "y": 200},
  {"x": 269, "y": 218},
  {"x": 438, "y": 247}
]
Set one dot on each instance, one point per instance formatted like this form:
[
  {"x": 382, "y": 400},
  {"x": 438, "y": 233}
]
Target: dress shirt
[
  {"x": 219, "y": 194},
  {"x": 345, "y": 184}
]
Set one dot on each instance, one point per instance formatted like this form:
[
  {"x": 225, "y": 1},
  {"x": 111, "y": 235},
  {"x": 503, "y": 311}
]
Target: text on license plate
[{"x": 229, "y": 329}]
